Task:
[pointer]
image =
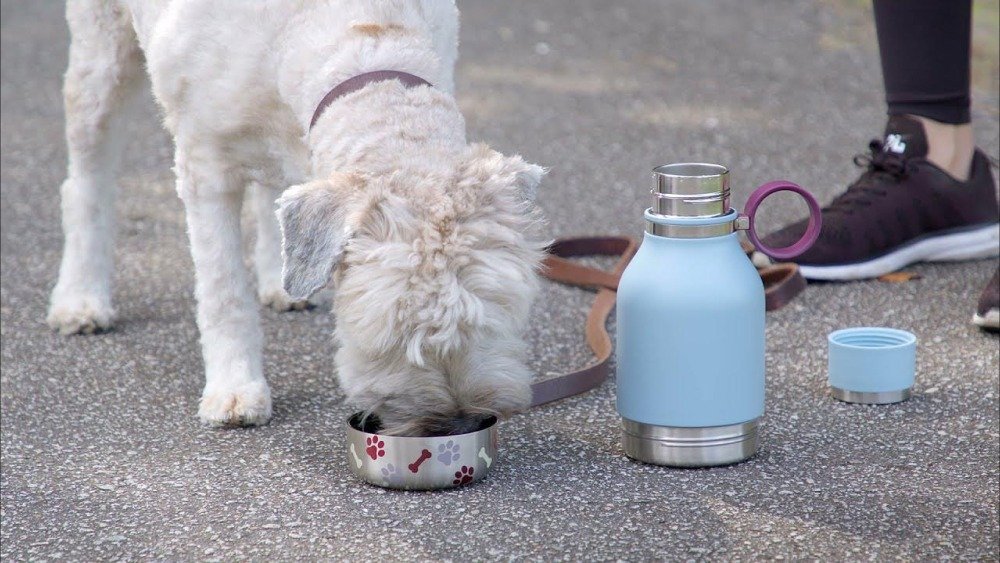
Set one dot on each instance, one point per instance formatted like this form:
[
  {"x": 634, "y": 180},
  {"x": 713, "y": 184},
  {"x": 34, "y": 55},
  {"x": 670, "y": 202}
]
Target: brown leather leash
[
  {"x": 558, "y": 267},
  {"x": 782, "y": 282}
]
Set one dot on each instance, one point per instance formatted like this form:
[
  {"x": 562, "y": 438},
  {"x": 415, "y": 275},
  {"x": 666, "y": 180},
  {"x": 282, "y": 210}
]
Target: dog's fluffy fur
[{"x": 429, "y": 240}]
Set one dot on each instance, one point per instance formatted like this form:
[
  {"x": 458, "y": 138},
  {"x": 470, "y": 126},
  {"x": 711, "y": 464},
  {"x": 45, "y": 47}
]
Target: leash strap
[
  {"x": 782, "y": 282},
  {"x": 558, "y": 267}
]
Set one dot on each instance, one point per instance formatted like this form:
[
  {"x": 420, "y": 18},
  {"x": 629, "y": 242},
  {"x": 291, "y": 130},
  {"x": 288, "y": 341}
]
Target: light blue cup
[{"x": 871, "y": 365}]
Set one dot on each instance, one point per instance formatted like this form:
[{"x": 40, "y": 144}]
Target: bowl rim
[{"x": 354, "y": 419}]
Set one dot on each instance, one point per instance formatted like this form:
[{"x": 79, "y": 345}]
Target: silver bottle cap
[{"x": 690, "y": 189}]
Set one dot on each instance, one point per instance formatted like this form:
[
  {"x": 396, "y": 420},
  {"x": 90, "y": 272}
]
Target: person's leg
[
  {"x": 926, "y": 194},
  {"x": 925, "y": 50},
  {"x": 924, "y": 47}
]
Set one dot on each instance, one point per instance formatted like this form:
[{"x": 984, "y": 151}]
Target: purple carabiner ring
[{"x": 812, "y": 230}]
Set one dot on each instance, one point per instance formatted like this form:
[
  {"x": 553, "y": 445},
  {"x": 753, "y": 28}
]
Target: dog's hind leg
[
  {"x": 267, "y": 251},
  {"x": 236, "y": 393},
  {"x": 104, "y": 73}
]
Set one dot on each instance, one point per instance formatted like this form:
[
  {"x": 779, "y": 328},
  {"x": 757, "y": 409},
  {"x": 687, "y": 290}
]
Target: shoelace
[{"x": 882, "y": 168}]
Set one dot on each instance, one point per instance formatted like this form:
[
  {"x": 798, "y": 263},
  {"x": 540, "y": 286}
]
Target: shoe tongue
[{"x": 904, "y": 136}]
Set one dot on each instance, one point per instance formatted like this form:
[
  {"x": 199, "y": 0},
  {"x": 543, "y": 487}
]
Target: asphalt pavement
[{"x": 103, "y": 457}]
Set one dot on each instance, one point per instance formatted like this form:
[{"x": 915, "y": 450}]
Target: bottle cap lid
[
  {"x": 691, "y": 189},
  {"x": 871, "y": 365}
]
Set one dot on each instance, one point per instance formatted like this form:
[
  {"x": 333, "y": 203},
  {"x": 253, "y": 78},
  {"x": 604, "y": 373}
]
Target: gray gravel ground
[{"x": 103, "y": 457}]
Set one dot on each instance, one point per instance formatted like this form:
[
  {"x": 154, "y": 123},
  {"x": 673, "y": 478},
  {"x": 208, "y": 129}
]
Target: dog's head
[{"x": 435, "y": 273}]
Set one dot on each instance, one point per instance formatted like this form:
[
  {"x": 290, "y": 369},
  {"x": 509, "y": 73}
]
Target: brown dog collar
[{"x": 359, "y": 81}]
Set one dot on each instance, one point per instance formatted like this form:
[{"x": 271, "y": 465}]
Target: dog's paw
[
  {"x": 80, "y": 314},
  {"x": 279, "y": 300},
  {"x": 248, "y": 404}
]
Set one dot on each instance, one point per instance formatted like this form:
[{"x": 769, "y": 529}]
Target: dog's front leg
[{"x": 236, "y": 392}]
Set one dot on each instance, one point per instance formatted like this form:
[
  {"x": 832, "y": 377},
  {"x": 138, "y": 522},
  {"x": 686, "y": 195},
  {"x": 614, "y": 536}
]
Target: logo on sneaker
[{"x": 894, "y": 143}]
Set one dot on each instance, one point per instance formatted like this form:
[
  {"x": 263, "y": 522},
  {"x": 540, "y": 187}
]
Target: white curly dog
[{"x": 429, "y": 241}]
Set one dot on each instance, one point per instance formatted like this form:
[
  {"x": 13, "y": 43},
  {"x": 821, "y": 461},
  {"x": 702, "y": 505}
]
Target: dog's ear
[
  {"x": 487, "y": 167},
  {"x": 527, "y": 176},
  {"x": 314, "y": 230}
]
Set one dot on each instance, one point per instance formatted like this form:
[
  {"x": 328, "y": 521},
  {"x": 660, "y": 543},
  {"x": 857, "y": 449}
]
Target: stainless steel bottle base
[
  {"x": 690, "y": 447},
  {"x": 870, "y": 398}
]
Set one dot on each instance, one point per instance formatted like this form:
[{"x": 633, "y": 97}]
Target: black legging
[{"x": 924, "y": 45}]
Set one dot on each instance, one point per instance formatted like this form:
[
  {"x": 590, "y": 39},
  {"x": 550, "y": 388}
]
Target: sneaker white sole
[
  {"x": 990, "y": 320},
  {"x": 982, "y": 242}
]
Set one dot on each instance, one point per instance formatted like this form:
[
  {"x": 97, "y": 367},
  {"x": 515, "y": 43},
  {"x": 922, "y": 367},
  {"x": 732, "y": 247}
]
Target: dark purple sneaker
[
  {"x": 903, "y": 209},
  {"x": 988, "y": 311}
]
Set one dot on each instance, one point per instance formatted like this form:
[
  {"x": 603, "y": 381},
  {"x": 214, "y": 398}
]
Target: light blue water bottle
[{"x": 690, "y": 314}]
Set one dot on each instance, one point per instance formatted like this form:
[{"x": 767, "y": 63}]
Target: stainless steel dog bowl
[{"x": 420, "y": 462}]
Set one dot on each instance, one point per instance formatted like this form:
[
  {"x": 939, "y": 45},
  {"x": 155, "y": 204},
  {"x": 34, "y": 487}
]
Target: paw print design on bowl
[
  {"x": 464, "y": 475},
  {"x": 448, "y": 452},
  {"x": 419, "y": 463},
  {"x": 391, "y": 475},
  {"x": 376, "y": 447}
]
